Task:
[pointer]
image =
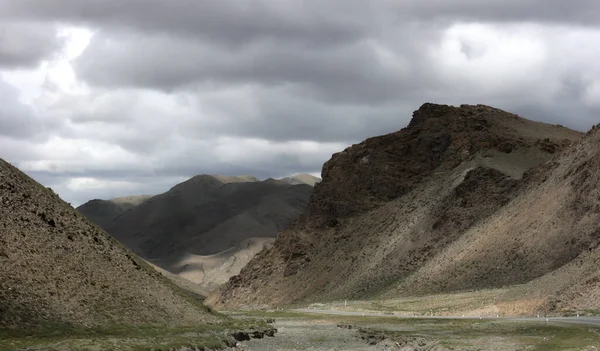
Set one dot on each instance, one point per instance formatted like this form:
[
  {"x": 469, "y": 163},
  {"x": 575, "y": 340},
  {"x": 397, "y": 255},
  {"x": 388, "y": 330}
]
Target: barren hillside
[
  {"x": 439, "y": 206},
  {"x": 57, "y": 268}
]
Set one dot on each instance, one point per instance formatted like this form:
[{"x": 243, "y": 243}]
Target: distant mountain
[
  {"x": 102, "y": 212},
  {"x": 204, "y": 216},
  {"x": 58, "y": 269}
]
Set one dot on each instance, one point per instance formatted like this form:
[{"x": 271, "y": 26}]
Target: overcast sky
[{"x": 105, "y": 98}]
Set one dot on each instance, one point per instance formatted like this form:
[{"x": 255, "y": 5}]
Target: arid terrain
[
  {"x": 464, "y": 198},
  {"x": 436, "y": 237}
]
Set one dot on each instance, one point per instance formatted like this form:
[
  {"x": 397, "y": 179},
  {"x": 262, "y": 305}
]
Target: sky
[{"x": 107, "y": 98}]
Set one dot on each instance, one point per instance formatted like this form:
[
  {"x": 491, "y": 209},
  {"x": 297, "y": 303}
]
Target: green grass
[{"x": 135, "y": 338}]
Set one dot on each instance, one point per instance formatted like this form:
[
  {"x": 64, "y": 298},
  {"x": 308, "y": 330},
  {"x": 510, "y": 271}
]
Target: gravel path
[{"x": 308, "y": 335}]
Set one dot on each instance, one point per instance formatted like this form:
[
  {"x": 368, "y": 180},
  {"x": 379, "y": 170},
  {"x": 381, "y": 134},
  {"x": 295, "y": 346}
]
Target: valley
[
  {"x": 207, "y": 228},
  {"x": 470, "y": 229}
]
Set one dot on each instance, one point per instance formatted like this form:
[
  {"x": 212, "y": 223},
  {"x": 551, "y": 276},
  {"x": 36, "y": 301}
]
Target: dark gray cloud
[
  {"x": 281, "y": 114},
  {"x": 25, "y": 44},
  {"x": 220, "y": 21},
  {"x": 581, "y": 12},
  {"x": 168, "y": 63},
  {"x": 324, "y": 21}
]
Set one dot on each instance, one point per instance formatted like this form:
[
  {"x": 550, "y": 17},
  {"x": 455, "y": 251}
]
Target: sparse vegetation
[{"x": 138, "y": 338}]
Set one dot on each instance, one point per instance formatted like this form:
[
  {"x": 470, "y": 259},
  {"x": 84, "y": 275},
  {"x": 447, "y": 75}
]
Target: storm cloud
[
  {"x": 25, "y": 44},
  {"x": 103, "y": 98}
]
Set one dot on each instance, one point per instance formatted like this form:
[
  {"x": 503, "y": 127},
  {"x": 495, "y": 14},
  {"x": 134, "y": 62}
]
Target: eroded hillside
[
  {"x": 57, "y": 268},
  {"x": 404, "y": 214}
]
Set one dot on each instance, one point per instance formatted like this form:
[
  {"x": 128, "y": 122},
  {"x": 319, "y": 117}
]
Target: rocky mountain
[
  {"x": 208, "y": 227},
  {"x": 463, "y": 198},
  {"x": 56, "y": 268}
]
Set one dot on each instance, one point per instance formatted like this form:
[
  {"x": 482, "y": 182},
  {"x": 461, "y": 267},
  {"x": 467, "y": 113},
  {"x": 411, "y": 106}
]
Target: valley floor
[{"x": 327, "y": 332}]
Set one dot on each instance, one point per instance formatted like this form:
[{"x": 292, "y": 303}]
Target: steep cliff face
[
  {"x": 391, "y": 205},
  {"x": 57, "y": 268}
]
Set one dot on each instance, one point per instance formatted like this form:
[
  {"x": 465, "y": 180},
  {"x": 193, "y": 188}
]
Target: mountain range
[{"x": 206, "y": 228}]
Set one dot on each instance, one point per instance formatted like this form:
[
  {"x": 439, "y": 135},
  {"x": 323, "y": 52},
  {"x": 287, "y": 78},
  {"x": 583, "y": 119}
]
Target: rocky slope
[
  {"x": 57, "y": 268},
  {"x": 197, "y": 229},
  {"x": 440, "y": 206}
]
